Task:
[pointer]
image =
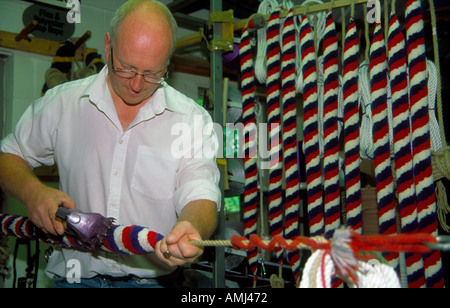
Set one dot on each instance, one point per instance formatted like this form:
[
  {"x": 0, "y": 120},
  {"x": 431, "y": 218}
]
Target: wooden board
[{"x": 35, "y": 45}]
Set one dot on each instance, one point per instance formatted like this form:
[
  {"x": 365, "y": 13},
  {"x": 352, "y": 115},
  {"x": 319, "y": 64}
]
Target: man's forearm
[
  {"x": 202, "y": 214},
  {"x": 16, "y": 176},
  {"x": 41, "y": 201}
]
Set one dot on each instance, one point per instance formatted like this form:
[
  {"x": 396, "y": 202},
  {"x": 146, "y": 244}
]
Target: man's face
[
  {"x": 141, "y": 45},
  {"x": 136, "y": 89}
]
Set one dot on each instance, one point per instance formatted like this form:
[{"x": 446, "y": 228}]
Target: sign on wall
[{"x": 52, "y": 22}]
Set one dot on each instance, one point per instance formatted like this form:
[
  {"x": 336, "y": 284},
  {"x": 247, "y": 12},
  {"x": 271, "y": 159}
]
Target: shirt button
[{"x": 120, "y": 141}]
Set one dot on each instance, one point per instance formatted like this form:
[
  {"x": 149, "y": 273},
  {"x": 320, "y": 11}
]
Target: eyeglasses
[{"x": 129, "y": 74}]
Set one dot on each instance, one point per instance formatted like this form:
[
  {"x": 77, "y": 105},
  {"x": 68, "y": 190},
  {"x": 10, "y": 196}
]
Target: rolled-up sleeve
[
  {"x": 198, "y": 175},
  {"x": 32, "y": 137}
]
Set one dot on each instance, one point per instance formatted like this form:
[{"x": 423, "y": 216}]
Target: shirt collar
[
  {"x": 162, "y": 99},
  {"x": 98, "y": 88},
  {"x": 157, "y": 104}
]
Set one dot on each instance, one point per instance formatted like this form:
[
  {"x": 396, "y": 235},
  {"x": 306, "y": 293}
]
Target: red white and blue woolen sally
[
  {"x": 421, "y": 145},
  {"x": 250, "y": 163},
  {"x": 352, "y": 173},
  {"x": 125, "y": 240},
  {"x": 332, "y": 198},
  {"x": 380, "y": 133},
  {"x": 273, "y": 90},
  {"x": 289, "y": 107},
  {"x": 310, "y": 129},
  {"x": 398, "y": 77},
  {"x": 330, "y": 128}
]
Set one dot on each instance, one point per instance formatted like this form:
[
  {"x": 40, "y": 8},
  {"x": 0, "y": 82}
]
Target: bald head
[
  {"x": 143, "y": 37},
  {"x": 140, "y": 17}
]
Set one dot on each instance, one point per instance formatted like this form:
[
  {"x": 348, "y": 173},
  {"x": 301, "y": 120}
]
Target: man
[{"x": 110, "y": 135}]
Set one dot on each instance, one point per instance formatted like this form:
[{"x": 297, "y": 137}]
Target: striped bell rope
[
  {"x": 423, "y": 174},
  {"x": 332, "y": 200},
  {"x": 289, "y": 106},
  {"x": 330, "y": 127},
  {"x": 398, "y": 77},
  {"x": 310, "y": 129},
  {"x": 273, "y": 84},
  {"x": 382, "y": 160},
  {"x": 352, "y": 174},
  {"x": 125, "y": 240},
  {"x": 250, "y": 163}
]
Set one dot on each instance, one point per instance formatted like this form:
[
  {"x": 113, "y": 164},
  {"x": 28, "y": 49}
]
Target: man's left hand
[{"x": 175, "y": 249}]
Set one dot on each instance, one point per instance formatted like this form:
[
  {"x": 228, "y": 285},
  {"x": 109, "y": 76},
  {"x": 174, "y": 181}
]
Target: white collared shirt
[{"x": 137, "y": 176}]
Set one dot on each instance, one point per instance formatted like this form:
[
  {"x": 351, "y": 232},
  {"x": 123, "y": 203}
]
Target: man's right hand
[{"x": 42, "y": 202}]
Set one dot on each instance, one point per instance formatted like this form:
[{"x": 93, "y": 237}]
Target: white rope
[
  {"x": 366, "y": 135},
  {"x": 321, "y": 16},
  {"x": 320, "y": 89},
  {"x": 366, "y": 140},
  {"x": 319, "y": 271},
  {"x": 288, "y": 4},
  {"x": 266, "y": 7},
  {"x": 319, "y": 29},
  {"x": 435, "y": 133},
  {"x": 366, "y": 146},
  {"x": 373, "y": 274},
  {"x": 298, "y": 62},
  {"x": 315, "y": 270}
]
